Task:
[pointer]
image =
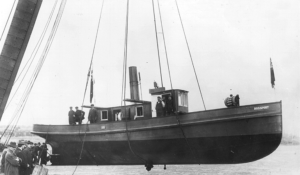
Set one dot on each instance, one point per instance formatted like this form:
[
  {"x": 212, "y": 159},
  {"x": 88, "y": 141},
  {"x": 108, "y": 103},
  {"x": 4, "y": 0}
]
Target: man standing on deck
[
  {"x": 93, "y": 114},
  {"x": 79, "y": 115},
  {"x": 159, "y": 107},
  {"x": 71, "y": 116},
  {"x": 169, "y": 106}
]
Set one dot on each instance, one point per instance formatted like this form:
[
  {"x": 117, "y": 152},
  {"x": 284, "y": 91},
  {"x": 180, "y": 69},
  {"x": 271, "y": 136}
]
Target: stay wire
[
  {"x": 8, "y": 19},
  {"x": 95, "y": 42},
  {"x": 163, "y": 34},
  {"x": 162, "y": 84},
  {"x": 190, "y": 54}
]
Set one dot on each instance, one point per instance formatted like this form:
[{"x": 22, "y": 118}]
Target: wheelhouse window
[
  {"x": 104, "y": 115},
  {"x": 139, "y": 111},
  {"x": 182, "y": 99}
]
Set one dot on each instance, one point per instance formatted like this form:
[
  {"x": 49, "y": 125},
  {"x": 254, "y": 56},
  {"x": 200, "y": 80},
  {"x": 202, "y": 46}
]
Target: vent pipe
[{"x": 134, "y": 84}]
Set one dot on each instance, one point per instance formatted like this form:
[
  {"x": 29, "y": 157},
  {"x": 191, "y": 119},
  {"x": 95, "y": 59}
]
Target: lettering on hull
[{"x": 261, "y": 107}]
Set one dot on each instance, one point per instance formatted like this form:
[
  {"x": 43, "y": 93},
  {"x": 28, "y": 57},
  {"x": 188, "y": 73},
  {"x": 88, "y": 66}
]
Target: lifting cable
[
  {"x": 95, "y": 42},
  {"x": 163, "y": 34},
  {"x": 124, "y": 82},
  {"x": 190, "y": 54},
  {"x": 178, "y": 121},
  {"x": 29, "y": 87},
  {"x": 7, "y": 19},
  {"x": 89, "y": 73},
  {"x": 162, "y": 84}
]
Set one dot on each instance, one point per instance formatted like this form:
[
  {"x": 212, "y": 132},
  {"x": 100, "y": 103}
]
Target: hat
[
  {"x": 12, "y": 144},
  {"x": 29, "y": 142},
  {"x": 21, "y": 142},
  {"x": 70, "y": 106},
  {"x": 158, "y": 97},
  {"x": 92, "y": 104},
  {"x": 76, "y": 107}
]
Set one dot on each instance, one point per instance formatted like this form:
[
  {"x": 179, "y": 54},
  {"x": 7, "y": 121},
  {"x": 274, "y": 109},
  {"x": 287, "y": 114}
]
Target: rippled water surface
[{"x": 284, "y": 161}]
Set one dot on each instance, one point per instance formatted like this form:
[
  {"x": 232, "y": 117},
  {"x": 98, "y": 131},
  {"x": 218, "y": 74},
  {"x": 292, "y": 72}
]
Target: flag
[
  {"x": 272, "y": 74},
  {"x": 92, "y": 88}
]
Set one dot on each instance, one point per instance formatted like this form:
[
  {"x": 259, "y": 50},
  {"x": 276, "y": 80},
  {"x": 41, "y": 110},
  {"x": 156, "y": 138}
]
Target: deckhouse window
[
  {"x": 104, "y": 115},
  {"x": 182, "y": 99},
  {"x": 139, "y": 111}
]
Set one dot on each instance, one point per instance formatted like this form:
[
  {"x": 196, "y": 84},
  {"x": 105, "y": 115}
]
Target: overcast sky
[{"x": 231, "y": 43}]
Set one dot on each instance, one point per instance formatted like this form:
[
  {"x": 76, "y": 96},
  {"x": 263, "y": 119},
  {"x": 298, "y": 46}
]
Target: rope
[
  {"x": 179, "y": 124},
  {"x": 190, "y": 54},
  {"x": 95, "y": 42},
  {"x": 7, "y": 19},
  {"x": 124, "y": 80},
  {"x": 162, "y": 28},
  {"x": 29, "y": 87},
  {"x": 34, "y": 52},
  {"x": 162, "y": 84},
  {"x": 83, "y": 141},
  {"x": 82, "y": 146}
]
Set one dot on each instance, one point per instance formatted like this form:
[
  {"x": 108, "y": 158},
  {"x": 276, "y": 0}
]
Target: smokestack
[{"x": 134, "y": 84}]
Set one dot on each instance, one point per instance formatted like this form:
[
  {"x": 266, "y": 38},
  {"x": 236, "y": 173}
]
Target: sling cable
[
  {"x": 39, "y": 65},
  {"x": 147, "y": 164},
  {"x": 178, "y": 120},
  {"x": 190, "y": 54},
  {"x": 165, "y": 47},
  {"x": 90, "y": 74}
]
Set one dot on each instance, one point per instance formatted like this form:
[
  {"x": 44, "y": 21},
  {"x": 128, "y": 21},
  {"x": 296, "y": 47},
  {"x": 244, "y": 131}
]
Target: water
[{"x": 284, "y": 161}]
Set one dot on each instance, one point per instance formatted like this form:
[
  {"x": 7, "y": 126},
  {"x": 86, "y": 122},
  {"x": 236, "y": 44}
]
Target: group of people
[
  {"x": 75, "y": 116},
  {"x": 78, "y": 115},
  {"x": 20, "y": 159},
  {"x": 164, "y": 107}
]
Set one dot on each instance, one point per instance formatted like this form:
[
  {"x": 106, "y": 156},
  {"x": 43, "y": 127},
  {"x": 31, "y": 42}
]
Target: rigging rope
[
  {"x": 162, "y": 84},
  {"x": 124, "y": 81},
  {"x": 163, "y": 34},
  {"x": 89, "y": 72},
  {"x": 95, "y": 42},
  {"x": 190, "y": 54},
  {"x": 34, "y": 52},
  {"x": 29, "y": 87},
  {"x": 7, "y": 19}
]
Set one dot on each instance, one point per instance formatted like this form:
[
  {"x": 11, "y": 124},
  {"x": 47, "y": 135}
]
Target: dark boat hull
[{"x": 225, "y": 136}]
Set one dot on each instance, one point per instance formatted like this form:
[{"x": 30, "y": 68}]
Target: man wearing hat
[
  {"x": 79, "y": 115},
  {"x": 11, "y": 160},
  {"x": 21, "y": 154},
  {"x": 29, "y": 159},
  {"x": 71, "y": 116},
  {"x": 93, "y": 114},
  {"x": 3, "y": 158},
  {"x": 43, "y": 154},
  {"x": 159, "y": 107}
]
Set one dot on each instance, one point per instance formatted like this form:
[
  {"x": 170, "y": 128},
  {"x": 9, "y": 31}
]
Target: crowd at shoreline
[{"x": 21, "y": 158}]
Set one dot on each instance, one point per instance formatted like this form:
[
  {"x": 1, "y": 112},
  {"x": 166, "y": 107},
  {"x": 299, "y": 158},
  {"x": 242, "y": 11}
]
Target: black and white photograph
[{"x": 130, "y": 87}]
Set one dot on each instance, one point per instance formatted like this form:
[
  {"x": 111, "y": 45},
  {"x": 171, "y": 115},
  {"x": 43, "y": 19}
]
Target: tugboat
[
  {"x": 139, "y": 137},
  {"x": 140, "y": 133}
]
